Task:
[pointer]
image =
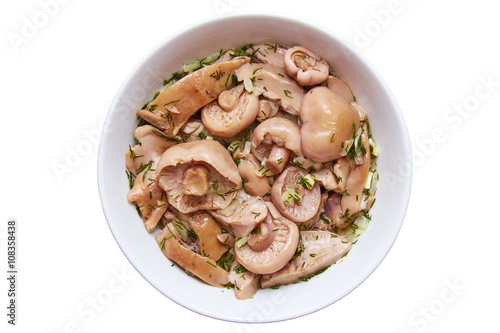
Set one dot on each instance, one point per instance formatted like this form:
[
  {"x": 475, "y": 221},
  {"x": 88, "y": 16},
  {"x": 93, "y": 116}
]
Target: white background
[{"x": 58, "y": 80}]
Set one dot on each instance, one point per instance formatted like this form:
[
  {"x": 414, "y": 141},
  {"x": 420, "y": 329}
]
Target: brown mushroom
[
  {"x": 285, "y": 236},
  {"x": 305, "y": 66},
  {"x": 267, "y": 109},
  {"x": 320, "y": 249},
  {"x": 245, "y": 283},
  {"x": 328, "y": 121},
  {"x": 198, "y": 175},
  {"x": 295, "y": 201},
  {"x": 243, "y": 215},
  {"x": 274, "y": 83},
  {"x": 340, "y": 87},
  {"x": 172, "y": 108},
  {"x": 273, "y": 140},
  {"x": 176, "y": 250},
  {"x": 269, "y": 54},
  {"x": 141, "y": 161},
  {"x": 254, "y": 184},
  {"x": 206, "y": 229},
  {"x": 231, "y": 113}
]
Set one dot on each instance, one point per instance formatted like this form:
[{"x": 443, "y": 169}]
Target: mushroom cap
[
  {"x": 276, "y": 131},
  {"x": 245, "y": 214},
  {"x": 327, "y": 122},
  {"x": 310, "y": 201},
  {"x": 277, "y": 255},
  {"x": 231, "y": 113},
  {"x": 305, "y": 66},
  {"x": 223, "y": 177},
  {"x": 320, "y": 250}
]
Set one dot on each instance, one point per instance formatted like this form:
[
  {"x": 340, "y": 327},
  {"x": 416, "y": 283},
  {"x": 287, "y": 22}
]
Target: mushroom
[
  {"x": 254, "y": 184},
  {"x": 334, "y": 213},
  {"x": 273, "y": 140},
  {"x": 192, "y": 129},
  {"x": 172, "y": 108},
  {"x": 176, "y": 250},
  {"x": 340, "y": 87},
  {"x": 305, "y": 66},
  {"x": 295, "y": 201},
  {"x": 274, "y": 83},
  {"x": 231, "y": 113},
  {"x": 285, "y": 235},
  {"x": 245, "y": 283},
  {"x": 243, "y": 215},
  {"x": 355, "y": 183},
  {"x": 319, "y": 250},
  {"x": 151, "y": 143},
  {"x": 326, "y": 177},
  {"x": 141, "y": 161},
  {"x": 267, "y": 109},
  {"x": 269, "y": 54},
  {"x": 198, "y": 175},
  {"x": 328, "y": 121},
  {"x": 206, "y": 229}
]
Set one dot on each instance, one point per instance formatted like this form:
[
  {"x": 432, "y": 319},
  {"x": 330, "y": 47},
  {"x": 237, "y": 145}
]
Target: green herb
[
  {"x": 208, "y": 262},
  {"x": 288, "y": 93},
  {"x": 162, "y": 243},
  {"x": 130, "y": 178},
  {"x": 133, "y": 156}
]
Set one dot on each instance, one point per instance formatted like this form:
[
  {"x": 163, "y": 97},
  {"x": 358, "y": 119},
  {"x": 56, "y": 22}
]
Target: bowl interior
[{"x": 394, "y": 165}]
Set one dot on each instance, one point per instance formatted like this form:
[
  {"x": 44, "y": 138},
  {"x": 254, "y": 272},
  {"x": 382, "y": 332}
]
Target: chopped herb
[
  {"x": 162, "y": 243},
  {"x": 211, "y": 264},
  {"x": 130, "y": 178},
  {"x": 288, "y": 93}
]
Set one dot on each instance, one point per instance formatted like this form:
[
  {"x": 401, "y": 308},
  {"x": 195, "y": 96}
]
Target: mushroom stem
[
  {"x": 195, "y": 181},
  {"x": 261, "y": 240},
  {"x": 277, "y": 159}
]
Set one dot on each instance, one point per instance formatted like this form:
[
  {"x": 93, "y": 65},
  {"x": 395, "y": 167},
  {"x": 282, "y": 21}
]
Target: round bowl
[{"x": 268, "y": 305}]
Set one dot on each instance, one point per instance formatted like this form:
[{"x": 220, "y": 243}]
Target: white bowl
[{"x": 394, "y": 166}]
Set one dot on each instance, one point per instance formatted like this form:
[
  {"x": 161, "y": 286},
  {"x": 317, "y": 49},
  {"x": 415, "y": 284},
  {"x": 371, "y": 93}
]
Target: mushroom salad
[{"x": 255, "y": 166}]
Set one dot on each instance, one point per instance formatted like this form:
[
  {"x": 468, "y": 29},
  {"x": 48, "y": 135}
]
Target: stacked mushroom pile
[{"x": 258, "y": 169}]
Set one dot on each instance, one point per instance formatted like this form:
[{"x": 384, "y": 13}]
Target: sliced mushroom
[
  {"x": 326, "y": 177},
  {"x": 172, "y": 108},
  {"x": 267, "y": 109},
  {"x": 320, "y": 249},
  {"x": 243, "y": 215},
  {"x": 261, "y": 238},
  {"x": 231, "y": 113},
  {"x": 274, "y": 83},
  {"x": 254, "y": 184},
  {"x": 295, "y": 201},
  {"x": 245, "y": 283},
  {"x": 198, "y": 175},
  {"x": 352, "y": 199},
  {"x": 279, "y": 252},
  {"x": 340, "y": 87},
  {"x": 149, "y": 196},
  {"x": 333, "y": 212},
  {"x": 141, "y": 161},
  {"x": 328, "y": 121},
  {"x": 207, "y": 229},
  {"x": 176, "y": 250},
  {"x": 192, "y": 130},
  {"x": 273, "y": 140},
  {"x": 269, "y": 54},
  {"x": 341, "y": 170},
  {"x": 151, "y": 143},
  {"x": 305, "y": 66}
]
